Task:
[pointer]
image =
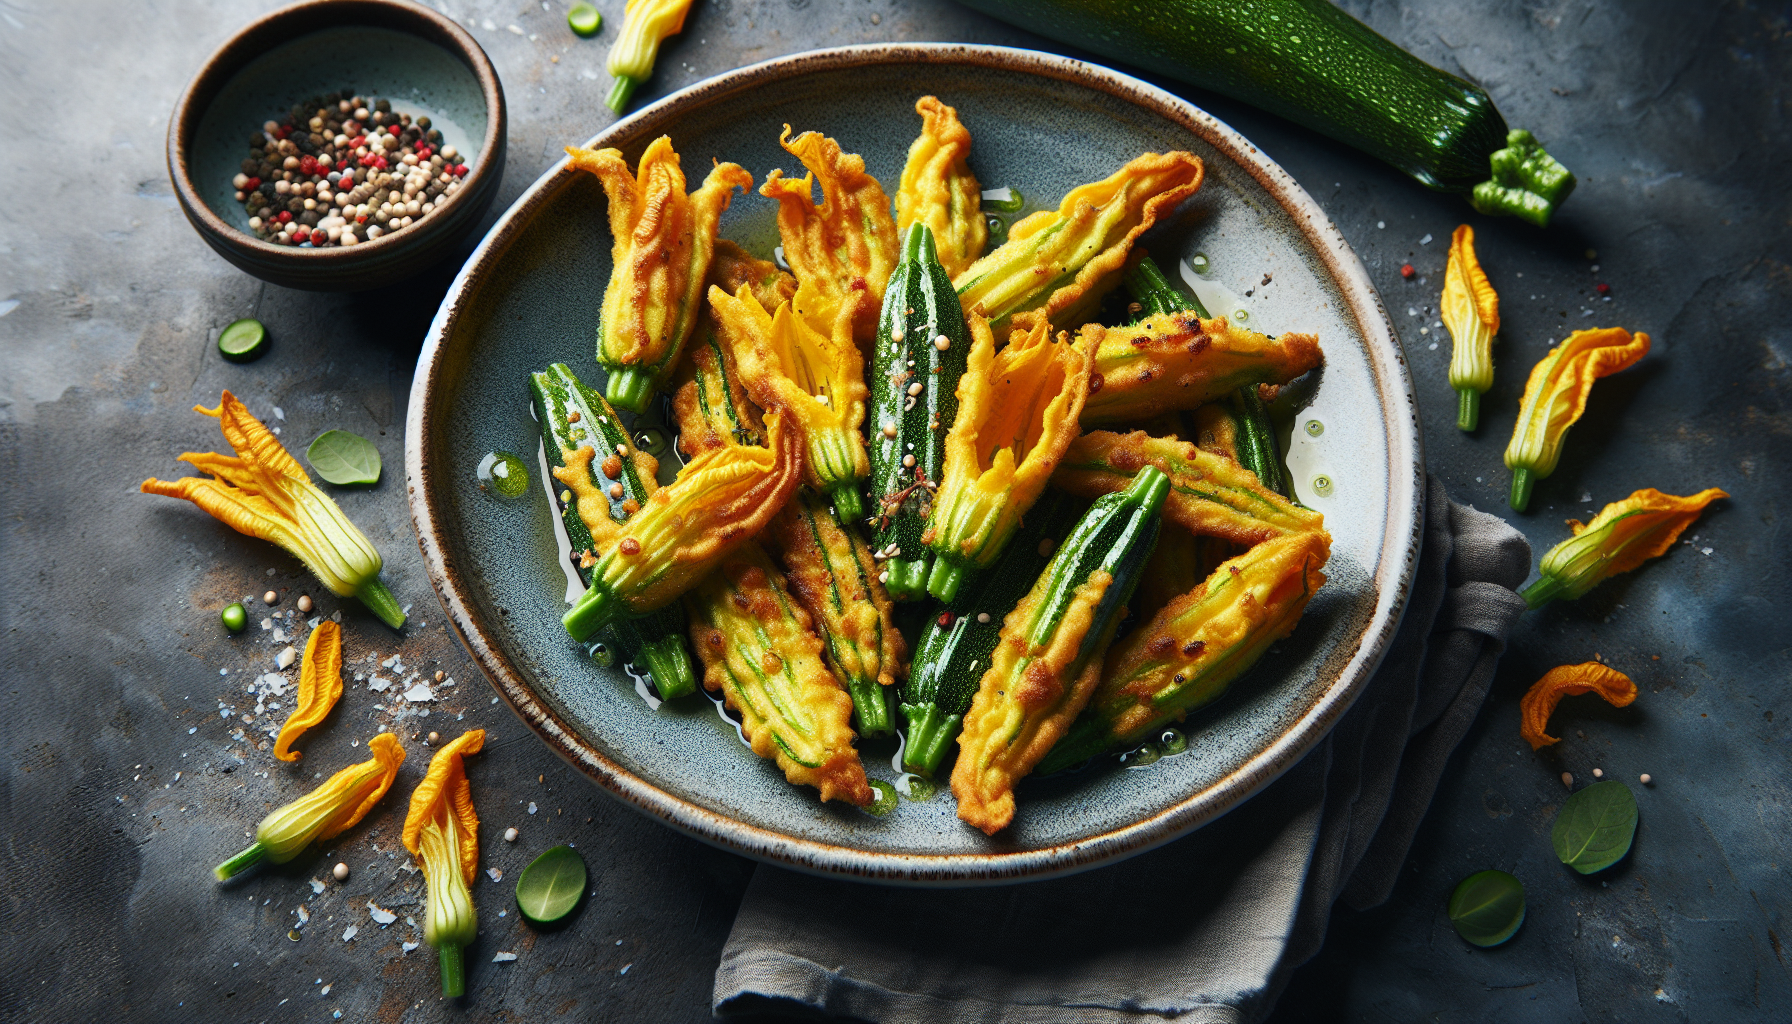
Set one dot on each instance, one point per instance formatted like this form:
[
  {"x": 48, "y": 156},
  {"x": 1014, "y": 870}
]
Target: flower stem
[
  {"x": 908, "y": 577},
  {"x": 847, "y": 504},
  {"x": 630, "y": 387},
  {"x": 1468, "y": 408},
  {"x": 670, "y": 666},
  {"x": 380, "y": 601},
  {"x": 595, "y": 610},
  {"x": 454, "y": 971},
  {"x": 930, "y": 735},
  {"x": 1541, "y": 592},
  {"x": 1522, "y": 482},
  {"x": 870, "y": 707},
  {"x": 241, "y": 861},
  {"x": 619, "y": 97},
  {"x": 944, "y": 581}
]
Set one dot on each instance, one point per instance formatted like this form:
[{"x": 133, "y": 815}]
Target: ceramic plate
[{"x": 1042, "y": 125}]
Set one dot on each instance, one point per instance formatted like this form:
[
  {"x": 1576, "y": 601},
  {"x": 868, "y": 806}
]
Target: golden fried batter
[
  {"x": 939, "y": 190},
  {"x": 1179, "y": 361}
]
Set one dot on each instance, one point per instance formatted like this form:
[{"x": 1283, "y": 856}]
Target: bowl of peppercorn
[{"x": 340, "y": 145}]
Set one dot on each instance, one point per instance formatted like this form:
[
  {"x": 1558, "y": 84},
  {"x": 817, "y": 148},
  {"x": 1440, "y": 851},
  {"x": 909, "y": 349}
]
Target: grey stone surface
[{"x": 1673, "y": 112}]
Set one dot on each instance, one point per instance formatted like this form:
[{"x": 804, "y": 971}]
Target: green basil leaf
[
  {"x": 343, "y": 458},
  {"x": 1595, "y": 827},
  {"x": 1487, "y": 907},
  {"x": 551, "y": 886}
]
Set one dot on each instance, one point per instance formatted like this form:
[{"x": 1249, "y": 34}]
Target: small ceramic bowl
[{"x": 419, "y": 60}]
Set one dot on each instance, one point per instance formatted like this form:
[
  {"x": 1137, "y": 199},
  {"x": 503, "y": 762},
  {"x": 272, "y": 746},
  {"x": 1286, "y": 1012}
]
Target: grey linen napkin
[{"x": 1207, "y": 928}]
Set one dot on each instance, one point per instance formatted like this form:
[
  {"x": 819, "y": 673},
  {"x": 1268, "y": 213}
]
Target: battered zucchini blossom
[
  {"x": 1624, "y": 535},
  {"x": 1062, "y": 261},
  {"x": 939, "y": 190},
  {"x": 662, "y": 244},
  {"x": 1175, "y": 361}
]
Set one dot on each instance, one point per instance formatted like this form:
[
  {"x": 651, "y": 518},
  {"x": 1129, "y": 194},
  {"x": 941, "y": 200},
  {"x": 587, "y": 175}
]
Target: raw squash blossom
[
  {"x": 1017, "y": 414},
  {"x": 1624, "y": 535},
  {"x": 320, "y": 687},
  {"x": 662, "y": 243},
  {"x": 330, "y": 809},
  {"x": 819, "y": 378},
  {"x": 1567, "y": 681},
  {"x": 939, "y": 190},
  {"x": 442, "y": 831},
  {"x": 264, "y": 492},
  {"x": 843, "y": 251},
  {"x": 1555, "y": 397},
  {"x": 1471, "y": 310},
  {"x": 645, "y": 24}
]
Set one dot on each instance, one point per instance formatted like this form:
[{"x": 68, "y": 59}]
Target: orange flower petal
[
  {"x": 258, "y": 447},
  {"x": 1555, "y": 396},
  {"x": 445, "y": 791},
  {"x": 389, "y": 755},
  {"x": 1568, "y": 681},
  {"x": 320, "y": 687}
]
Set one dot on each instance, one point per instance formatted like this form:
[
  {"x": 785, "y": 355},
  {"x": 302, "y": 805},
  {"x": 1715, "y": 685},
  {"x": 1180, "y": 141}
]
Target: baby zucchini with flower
[
  {"x": 263, "y": 492},
  {"x": 760, "y": 651},
  {"x": 921, "y": 351},
  {"x": 1471, "y": 310},
  {"x": 442, "y": 831},
  {"x": 720, "y": 500},
  {"x": 1197, "y": 645},
  {"x": 955, "y": 649},
  {"x": 645, "y": 25},
  {"x": 325, "y": 812},
  {"x": 1061, "y": 261},
  {"x": 581, "y": 435},
  {"x": 829, "y": 569},
  {"x": 939, "y": 190},
  {"x": 1556, "y": 395},
  {"x": 1048, "y": 660},
  {"x": 1623, "y": 536},
  {"x": 1210, "y": 495},
  {"x": 842, "y": 252},
  {"x": 1017, "y": 413},
  {"x": 662, "y": 244},
  {"x": 818, "y": 379}
]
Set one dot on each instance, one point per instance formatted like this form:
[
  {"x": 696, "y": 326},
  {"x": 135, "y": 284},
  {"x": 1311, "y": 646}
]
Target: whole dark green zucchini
[
  {"x": 914, "y": 399},
  {"x": 1314, "y": 64},
  {"x": 955, "y": 648},
  {"x": 572, "y": 415}
]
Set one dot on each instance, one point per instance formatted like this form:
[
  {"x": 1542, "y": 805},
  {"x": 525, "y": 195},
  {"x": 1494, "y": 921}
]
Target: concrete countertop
[{"x": 127, "y": 772}]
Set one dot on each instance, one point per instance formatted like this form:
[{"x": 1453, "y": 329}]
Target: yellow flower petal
[
  {"x": 939, "y": 190},
  {"x": 320, "y": 687},
  {"x": 445, "y": 793},
  {"x": 1624, "y": 535},
  {"x": 1556, "y": 396},
  {"x": 1471, "y": 310},
  {"x": 645, "y": 24}
]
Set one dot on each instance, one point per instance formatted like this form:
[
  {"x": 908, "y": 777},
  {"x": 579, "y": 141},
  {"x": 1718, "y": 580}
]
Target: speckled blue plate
[{"x": 1042, "y": 124}]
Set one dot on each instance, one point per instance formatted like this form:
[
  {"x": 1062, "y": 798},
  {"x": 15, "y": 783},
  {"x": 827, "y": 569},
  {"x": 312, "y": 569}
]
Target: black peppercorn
[{"x": 383, "y": 106}]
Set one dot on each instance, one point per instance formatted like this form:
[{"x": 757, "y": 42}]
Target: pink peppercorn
[
  {"x": 1603, "y": 289},
  {"x": 1407, "y": 272},
  {"x": 284, "y": 217},
  {"x": 318, "y": 236}
]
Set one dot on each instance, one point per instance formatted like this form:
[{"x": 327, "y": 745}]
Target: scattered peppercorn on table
[{"x": 114, "y": 640}]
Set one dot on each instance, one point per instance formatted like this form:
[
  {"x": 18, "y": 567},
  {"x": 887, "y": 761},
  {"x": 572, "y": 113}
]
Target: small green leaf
[
  {"x": 1487, "y": 907},
  {"x": 551, "y": 886},
  {"x": 343, "y": 458},
  {"x": 1595, "y": 827}
]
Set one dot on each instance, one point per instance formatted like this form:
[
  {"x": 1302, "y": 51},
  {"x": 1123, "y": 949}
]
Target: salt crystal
[
  {"x": 496, "y": 875},
  {"x": 279, "y": 635},
  {"x": 407, "y": 947},
  {"x": 379, "y": 684},
  {"x": 326, "y": 989},
  {"x": 304, "y": 917},
  {"x": 531, "y": 807},
  {"x": 381, "y": 916},
  {"x": 286, "y": 657},
  {"x": 503, "y": 958},
  {"x": 417, "y": 693},
  {"x": 1426, "y": 240},
  {"x": 279, "y": 413},
  {"x": 267, "y": 624},
  {"x": 349, "y": 932},
  {"x": 317, "y": 885}
]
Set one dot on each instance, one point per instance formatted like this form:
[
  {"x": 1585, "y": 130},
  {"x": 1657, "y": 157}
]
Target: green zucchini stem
[
  {"x": 1522, "y": 482},
  {"x": 1542, "y": 592},
  {"x": 944, "y": 580},
  {"x": 629, "y": 388},
  {"x": 871, "y": 707},
  {"x": 380, "y": 601},
  {"x": 1468, "y": 409},
  {"x": 667, "y": 661},
  {"x": 620, "y": 93},
  {"x": 1154, "y": 291},
  {"x": 907, "y": 577},
  {"x": 237, "y": 864},
  {"x": 930, "y": 734},
  {"x": 1526, "y": 182},
  {"x": 595, "y": 610},
  {"x": 454, "y": 971},
  {"x": 847, "y": 503}
]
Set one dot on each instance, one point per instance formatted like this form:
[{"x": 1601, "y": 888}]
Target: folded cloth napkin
[{"x": 1207, "y": 928}]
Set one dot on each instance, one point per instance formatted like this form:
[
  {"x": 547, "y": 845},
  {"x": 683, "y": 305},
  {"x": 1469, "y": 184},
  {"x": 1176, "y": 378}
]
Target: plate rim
[{"x": 1392, "y": 576}]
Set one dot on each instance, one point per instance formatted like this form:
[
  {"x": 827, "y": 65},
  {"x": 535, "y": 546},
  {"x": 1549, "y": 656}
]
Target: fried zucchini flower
[
  {"x": 662, "y": 242},
  {"x": 819, "y": 379},
  {"x": 1174, "y": 361},
  {"x": 264, "y": 492},
  {"x": 1624, "y": 535},
  {"x": 645, "y": 25},
  {"x": 1471, "y": 310},
  {"x": 1062, "y": 260},
  {"x": 320, "y": 687},
  {"x": 1556, "y": 395},
  {"x": 1210, "y": 495},
  {"x": 733, "y": 267},
  {"x": 1197, "y": 645},
  {"x": 442, "y": 831},
  {"x": 759, "y": 650},
  {"x": 1017, "y": 413},
  {"x": 327, "y": 811},
  {"x": 939, "y": 190},
  {"x": 842, "y": 252},
  {"x": 720, "y": 500},
  {"x": 1539, "y": 702}
]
